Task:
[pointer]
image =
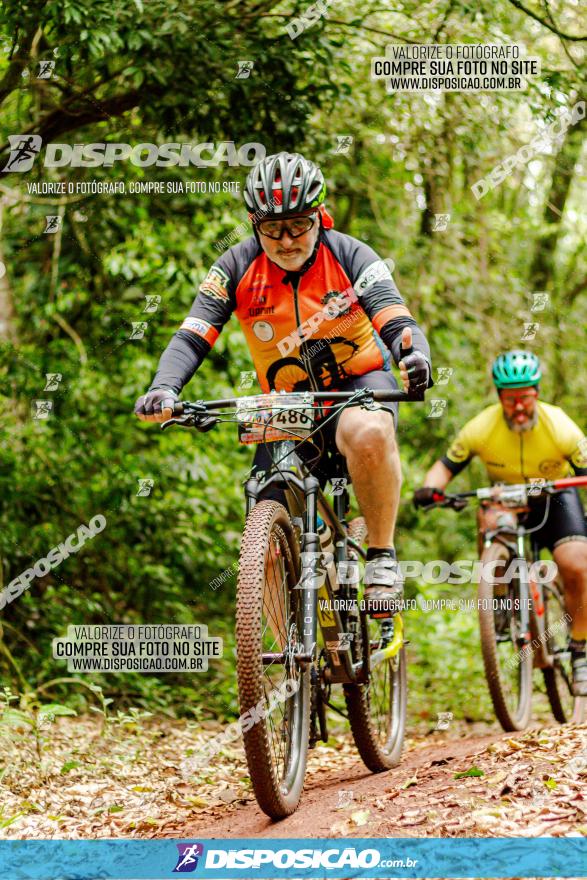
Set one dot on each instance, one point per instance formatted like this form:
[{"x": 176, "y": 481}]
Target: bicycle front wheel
[
  {"x": 274, "y": 690},
  {"x": 508, "y": 665},
  {"x": 377, "y": 708}
]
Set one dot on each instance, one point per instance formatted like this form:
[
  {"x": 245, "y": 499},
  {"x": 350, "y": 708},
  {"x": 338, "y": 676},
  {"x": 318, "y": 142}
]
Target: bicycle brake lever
[
  {"x": 206, "y": 424},
  {"x": 182, "y": 420}
]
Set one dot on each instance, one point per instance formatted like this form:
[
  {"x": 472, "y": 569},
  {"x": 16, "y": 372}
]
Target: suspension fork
[
  {"x": 311, "y": 565},
  {"x": 538, "y": 617},
  {"x": 251, "y": 493},
  {"x": 524, "y": 582}
]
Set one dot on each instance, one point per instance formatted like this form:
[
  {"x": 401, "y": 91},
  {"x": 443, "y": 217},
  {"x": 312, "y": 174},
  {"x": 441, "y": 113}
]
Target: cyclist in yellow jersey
[{"x": 521, "y": 439}]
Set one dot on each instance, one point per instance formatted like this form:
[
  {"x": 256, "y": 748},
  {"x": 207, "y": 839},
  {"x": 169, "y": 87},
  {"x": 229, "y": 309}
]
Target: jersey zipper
[{"x": 305, "y": 361}]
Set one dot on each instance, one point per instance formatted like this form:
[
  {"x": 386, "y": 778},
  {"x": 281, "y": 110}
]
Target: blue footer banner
[{"x": 293, "y": 858}]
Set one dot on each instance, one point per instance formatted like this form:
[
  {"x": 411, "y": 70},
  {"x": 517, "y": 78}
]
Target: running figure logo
[
  {"x": 46, "y": 68},
  {"x": 187, "y": 861},
  {"x": 244, "y": 69},
  {"x": 23, "y": 151}
]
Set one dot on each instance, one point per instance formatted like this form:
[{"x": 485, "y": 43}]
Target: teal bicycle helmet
[{"x": 516, "y": 369}]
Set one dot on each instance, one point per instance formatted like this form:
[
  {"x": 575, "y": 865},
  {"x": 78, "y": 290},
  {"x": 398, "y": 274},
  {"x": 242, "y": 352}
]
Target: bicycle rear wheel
[
  {"x": 377, "y": 709},
  {"x": 274, "y": 695},
  {"x": 565, "y": 707},
  {"x": 508, "y": 668}
]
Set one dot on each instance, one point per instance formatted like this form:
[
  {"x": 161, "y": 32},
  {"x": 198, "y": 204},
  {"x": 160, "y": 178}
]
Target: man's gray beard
[{"x": 521, "y": 429}]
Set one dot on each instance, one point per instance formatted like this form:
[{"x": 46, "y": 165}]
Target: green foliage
[{"x": 166, "y": 71}]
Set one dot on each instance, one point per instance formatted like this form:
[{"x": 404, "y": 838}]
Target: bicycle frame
[
  {"x": 542, "y": 659},
  {"x": 515, "y": 540},
  {"x": 321, "y": 595},
  {"x": 532, "y": 599},
  {"x": 318, "y": 596}
]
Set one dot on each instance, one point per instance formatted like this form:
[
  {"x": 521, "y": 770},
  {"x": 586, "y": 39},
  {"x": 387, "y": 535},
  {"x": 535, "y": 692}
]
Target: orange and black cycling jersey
[{"x": 338, "y": 317}]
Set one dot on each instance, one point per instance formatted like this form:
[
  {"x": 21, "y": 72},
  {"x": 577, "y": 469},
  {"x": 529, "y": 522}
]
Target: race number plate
[{"x": 269, "y": 417}]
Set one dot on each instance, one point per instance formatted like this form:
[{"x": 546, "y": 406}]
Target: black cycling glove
[
  {"x": 426, "y": 496},
  {"x": 151, "y": 403},
  {"x": 418, "y": 370}
]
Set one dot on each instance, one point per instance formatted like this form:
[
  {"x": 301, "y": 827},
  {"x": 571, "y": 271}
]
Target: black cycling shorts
[
  {"x": 318, "y": 457},
  {"x": 565, "y": 520}
]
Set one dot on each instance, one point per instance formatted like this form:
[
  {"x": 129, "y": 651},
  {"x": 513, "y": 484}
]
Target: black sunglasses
[{"x": 295, "y": 227}]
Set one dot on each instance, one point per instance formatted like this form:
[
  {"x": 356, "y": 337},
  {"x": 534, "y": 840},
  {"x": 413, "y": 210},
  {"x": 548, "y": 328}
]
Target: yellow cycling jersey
[{"x": 547, "y": 450}]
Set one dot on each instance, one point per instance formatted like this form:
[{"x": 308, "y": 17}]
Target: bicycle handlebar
[
  {"x": 391, "y": 396},
  {"x": 199, "y": 413},
  {"x": 515, "y": 493}
]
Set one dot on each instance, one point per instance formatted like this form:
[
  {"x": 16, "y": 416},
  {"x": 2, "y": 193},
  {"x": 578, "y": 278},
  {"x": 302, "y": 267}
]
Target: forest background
[{"x": 157, "y": 72}]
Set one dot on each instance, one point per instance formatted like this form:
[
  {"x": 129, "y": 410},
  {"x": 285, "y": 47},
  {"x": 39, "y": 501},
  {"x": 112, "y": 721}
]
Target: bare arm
[{"x": 438, "y": 477}]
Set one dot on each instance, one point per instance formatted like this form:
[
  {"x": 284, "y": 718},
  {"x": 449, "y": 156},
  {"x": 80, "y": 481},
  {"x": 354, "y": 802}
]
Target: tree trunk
[
  {"x": 542, "y": 269},
  {"x": 7, "y": 314}
]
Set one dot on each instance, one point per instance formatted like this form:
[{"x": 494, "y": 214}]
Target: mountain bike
[
  {"x": 522, "y": 616},
  {"x": 301, "y": 627}
]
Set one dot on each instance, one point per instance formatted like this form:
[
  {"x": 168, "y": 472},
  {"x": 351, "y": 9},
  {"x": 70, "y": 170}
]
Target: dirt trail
[
  {"x": 522, "y": 785},
  {"x": 136, "y": 780}
]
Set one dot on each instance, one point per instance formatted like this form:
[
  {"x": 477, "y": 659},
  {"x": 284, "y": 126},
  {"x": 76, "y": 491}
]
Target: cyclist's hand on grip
[
  {"x": 414, "y": 368},
  {"x": 156, "y": 405},
  {"x": 427, "y": 496}
]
